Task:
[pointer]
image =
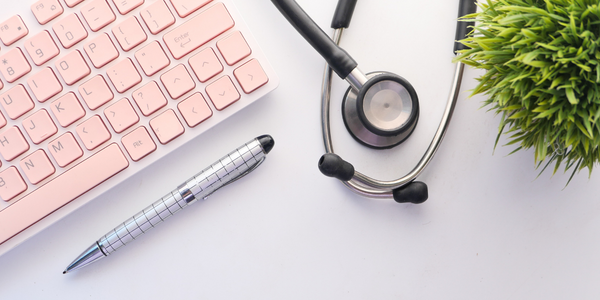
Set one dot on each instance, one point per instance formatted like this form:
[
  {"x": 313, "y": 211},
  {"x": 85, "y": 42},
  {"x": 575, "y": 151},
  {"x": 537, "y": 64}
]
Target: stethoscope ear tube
[
  {"x": 343, "y": 14},
  {"x": 465, "y": 7},
  {"x": 339, "y": 60}
]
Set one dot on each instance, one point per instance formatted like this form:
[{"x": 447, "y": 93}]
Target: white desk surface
[{"x": 490, "y": 229}]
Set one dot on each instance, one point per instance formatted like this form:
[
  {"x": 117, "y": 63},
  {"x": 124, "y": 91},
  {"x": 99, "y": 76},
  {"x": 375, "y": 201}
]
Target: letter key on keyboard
[{"x": 92, "y": 92}]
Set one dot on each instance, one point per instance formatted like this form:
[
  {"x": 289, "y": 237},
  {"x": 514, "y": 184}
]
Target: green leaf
[
  {"x": 548, "y": 112},
  {"x": 571, "y": 96},
  {"x": 538, "y": 64},
  {"x": 597, "y": 115},
  {"x": 519, "y": 114},
  {"x": 582, "y": 128},
  {"x": 533, "y": 10}
]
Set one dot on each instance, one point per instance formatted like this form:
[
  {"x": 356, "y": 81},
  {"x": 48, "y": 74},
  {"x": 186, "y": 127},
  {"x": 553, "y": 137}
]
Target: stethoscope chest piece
[{"x": 383, "y": 113}]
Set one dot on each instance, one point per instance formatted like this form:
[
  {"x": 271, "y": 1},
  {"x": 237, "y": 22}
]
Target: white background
[{"x": 490, "y": 229}]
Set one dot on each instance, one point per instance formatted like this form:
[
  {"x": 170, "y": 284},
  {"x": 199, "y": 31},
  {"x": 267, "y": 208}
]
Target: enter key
[{"x": 198, "y": 30}]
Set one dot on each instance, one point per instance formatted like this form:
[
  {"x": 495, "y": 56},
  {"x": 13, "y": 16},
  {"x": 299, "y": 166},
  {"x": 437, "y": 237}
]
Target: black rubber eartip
[
  {"x": 414, "y": 192},
  {"x": 334, "y": 166}
]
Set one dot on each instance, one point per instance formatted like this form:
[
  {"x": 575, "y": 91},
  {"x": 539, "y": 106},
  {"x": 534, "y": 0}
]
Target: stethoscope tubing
[{"x": 362, "y": 184}]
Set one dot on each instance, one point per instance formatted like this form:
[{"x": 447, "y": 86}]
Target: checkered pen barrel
[{"x": 232, "y": 166}]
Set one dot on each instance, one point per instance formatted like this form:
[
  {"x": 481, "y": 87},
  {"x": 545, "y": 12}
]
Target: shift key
[{"x": 198, "y": 30}]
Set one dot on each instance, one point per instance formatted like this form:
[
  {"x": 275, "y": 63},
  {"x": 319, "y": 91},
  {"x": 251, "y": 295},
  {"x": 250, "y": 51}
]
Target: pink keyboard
[{"x": 93, "y": 91}]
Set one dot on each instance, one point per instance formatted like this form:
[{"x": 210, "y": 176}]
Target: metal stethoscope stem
[{"x": 361, "y": 183}]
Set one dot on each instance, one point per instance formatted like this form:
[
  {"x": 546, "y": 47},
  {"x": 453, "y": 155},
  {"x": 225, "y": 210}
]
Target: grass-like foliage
[{"x": 542, "y": 62}]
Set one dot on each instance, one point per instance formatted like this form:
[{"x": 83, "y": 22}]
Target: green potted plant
[{"x": 542, "y": 75}]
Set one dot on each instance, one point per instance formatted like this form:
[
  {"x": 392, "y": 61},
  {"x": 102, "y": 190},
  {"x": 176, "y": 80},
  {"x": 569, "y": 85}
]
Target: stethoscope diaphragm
[{"x": 384, "y": 113}]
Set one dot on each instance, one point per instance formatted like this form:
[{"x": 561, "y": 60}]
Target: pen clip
[{"x": 238, "y": 176}]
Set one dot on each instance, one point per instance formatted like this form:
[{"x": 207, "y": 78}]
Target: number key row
[{"x": 97, "y": 14}]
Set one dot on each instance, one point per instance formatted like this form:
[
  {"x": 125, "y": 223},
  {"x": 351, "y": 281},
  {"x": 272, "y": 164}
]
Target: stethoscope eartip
[
  {"x": 332, "y": 165},
  {"x": 414, "y": 192}
]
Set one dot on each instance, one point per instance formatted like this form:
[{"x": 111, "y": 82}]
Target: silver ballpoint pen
[{"x": 231, "y": 167}]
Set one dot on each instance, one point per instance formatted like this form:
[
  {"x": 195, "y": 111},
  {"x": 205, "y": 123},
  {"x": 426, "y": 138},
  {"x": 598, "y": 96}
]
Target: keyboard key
[
  {"x": 12, "y": 143},
  {"x": 234, "y": 48},
  {"x": 121, "y": 115},
  {"x": 186, "y": 7},
  {"x": 152, "y": 58},
  {"x": 251, "y": 76},
  {"x": 177, "y": 81},
  {"x": 97, "y": 14},
  {"x": 16, "y": 102},
  {"x": 72, "y": 3},
  {"x": 101, "y": 50},
  {"x": 149, "y": 98},
  {"x": 67, "y": 109},
  {"x": 198, "y": 30},
  {"x": 123, "y": 75},
  {"x": 65, "y": 149},
  {"x": 205, "y": 64},
  {"x": 95, "y": 92},
  {"x": 129, "y": 33},
  {"x": 41, "y": 48},
  {"x": 138, "y": 143},
  {"x": 12, "y": 30},
  {"x": 46, "y": 10},
  {"x": 222, "y": 92},
  {"x": 39, "y": 126},
  {"x": 125, "y": 6},
  {"x": 37, "y": 166},
  {"x": 157, "y": 16},
  {"x": 166, "y": 126},
  {"x": 69, "y": 30},
  {"x": 93, "y": 132},
  {"x": 2, "y": 123},
  {"x": 11, "y": 184},
  {"x": 61, "y": 190},
  {"x": 44, "y": 84},
  {"x": 72, "y": 67},
  {"x": 194, "y": 109},
  {"x": 14, "y": 65}
]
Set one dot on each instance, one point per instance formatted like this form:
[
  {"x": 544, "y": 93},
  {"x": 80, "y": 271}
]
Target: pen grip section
[{"x": 142, "y": 222}]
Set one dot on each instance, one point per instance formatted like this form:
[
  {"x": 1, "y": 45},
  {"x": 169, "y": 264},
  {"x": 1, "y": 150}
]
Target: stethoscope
[{"x": 380, "y": 109}]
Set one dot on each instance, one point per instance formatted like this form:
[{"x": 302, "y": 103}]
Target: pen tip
[
  {"x": 65, "y": 272},
  {"x": 266, "y": 142}
]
